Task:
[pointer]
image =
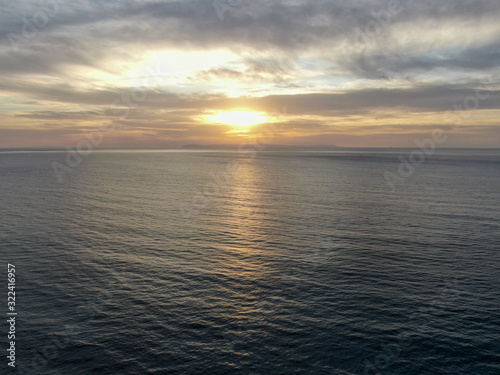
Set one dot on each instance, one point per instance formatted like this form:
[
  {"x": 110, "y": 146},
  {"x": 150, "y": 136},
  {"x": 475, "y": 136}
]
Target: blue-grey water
[{"x": 286, "y": 263}]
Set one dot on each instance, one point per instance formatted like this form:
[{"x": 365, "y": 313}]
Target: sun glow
[{"x": 239, "y": 118}]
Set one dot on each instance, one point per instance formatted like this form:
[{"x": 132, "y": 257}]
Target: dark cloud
[
  {"x": 82, "y": 33},
  {"x": 388, "y": 64},
  {"x": 57, "y": 115},
  {"x": 420, "y": 98}
]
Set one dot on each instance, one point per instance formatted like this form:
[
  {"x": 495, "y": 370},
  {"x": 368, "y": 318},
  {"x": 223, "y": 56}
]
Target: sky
[{"x": 154, "y": 74}]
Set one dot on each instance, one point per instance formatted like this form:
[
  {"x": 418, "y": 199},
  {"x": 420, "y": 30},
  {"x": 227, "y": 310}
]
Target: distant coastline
[{"x": 264, "y": 147}]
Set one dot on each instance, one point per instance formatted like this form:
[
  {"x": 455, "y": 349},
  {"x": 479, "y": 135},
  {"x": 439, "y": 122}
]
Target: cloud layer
[{"x": 353, "y": 73}]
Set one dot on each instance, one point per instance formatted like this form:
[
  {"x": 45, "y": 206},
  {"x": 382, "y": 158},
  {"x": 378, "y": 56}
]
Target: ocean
[{"x": 368, "y": 261}]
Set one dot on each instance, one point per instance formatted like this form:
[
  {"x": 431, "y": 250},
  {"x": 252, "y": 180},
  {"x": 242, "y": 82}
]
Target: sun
[{"x": 239, "y": 118}]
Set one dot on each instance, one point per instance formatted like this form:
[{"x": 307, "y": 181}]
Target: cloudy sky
[{"x": 168, "y": 73}]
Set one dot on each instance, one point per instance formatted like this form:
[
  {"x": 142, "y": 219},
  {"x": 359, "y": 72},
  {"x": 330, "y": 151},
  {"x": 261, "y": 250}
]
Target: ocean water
[{"x": 224, "y": 263}]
